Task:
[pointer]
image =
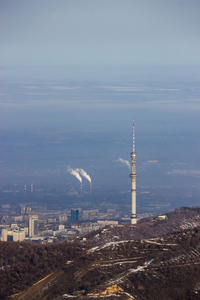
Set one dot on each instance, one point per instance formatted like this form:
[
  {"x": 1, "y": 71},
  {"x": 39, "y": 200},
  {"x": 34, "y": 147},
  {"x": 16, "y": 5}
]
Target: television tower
[{"x": 133, "y": 176}]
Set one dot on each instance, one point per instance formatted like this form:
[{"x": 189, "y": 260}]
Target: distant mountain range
[{"x": 157, "y": 259}]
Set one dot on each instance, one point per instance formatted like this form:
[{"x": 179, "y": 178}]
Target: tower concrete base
[{"x": 133, "y": 221}]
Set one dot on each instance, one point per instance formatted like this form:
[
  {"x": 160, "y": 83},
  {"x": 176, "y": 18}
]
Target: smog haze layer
[{"x": 75, "y": 74}]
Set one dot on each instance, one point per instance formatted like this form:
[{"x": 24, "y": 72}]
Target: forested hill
[
  {"x": 23, "y": 264},
  {"x": 167, "y": 267},
  {"x": 179, "y": 219},
  {"x": 121, "y": 261}
]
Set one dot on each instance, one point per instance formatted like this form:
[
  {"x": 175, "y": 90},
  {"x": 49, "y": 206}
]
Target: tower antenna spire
[
  {"x": 133, "y": 136},
  {"x": 133, "y": 176}
]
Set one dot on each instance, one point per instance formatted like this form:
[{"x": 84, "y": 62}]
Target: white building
[
  {"x": 61, "y": 227},
  {"x": 19, "y": 235},
  {"x": 13, "y": 235}
]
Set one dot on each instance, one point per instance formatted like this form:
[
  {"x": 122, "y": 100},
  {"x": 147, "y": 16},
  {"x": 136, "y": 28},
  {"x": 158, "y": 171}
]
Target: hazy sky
[
  {"x": 98, "y": 35},
  {"x": 74, "y": 74}
]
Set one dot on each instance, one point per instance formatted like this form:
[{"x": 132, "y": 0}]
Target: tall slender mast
[{"x": 133, "y": 176}]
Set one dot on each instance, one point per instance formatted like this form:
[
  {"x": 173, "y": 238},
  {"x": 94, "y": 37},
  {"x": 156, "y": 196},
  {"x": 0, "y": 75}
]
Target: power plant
[
  {"x": 78, "y": 173},
  {"x": 133, "y": 176}
]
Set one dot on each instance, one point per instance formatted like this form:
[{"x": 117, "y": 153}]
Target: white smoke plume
[
  {"x": 84, "y": 174},
  {"x": 125, "y": 162},
  {"x": 75, "y": 173}
]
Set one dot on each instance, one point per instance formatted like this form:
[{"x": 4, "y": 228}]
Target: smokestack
[
  {"x": 76, "y": 174},
  {"x": 84, "y": 174},
  {"x": 133, "y": 176}
]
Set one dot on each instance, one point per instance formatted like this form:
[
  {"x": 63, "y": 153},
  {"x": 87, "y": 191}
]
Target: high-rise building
[
  {"x": 7, "y": 235},
  {"x": 63, "y": 218},
  {"x": 4, "y": 235},
  {"x": 28, "y": 210},
  {"x": 23, "y": 210},
  {"x": 33, "y": 225},
  {"x": 74, "y": 215}
]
